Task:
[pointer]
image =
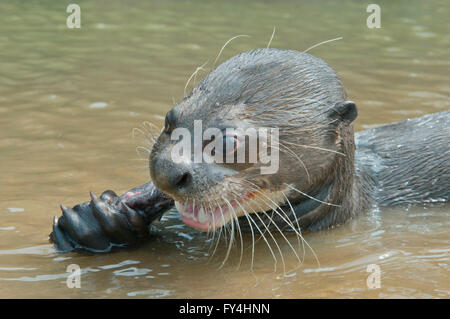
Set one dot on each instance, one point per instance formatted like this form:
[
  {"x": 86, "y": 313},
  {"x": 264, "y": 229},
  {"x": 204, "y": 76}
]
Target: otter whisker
[
  {"x": 257, "y": 70},
  {"x": 209, "y": 226},
  {"x": 152, "y": 129},
  {"x": 249, "y": 218},
  {"x": 193, "y": 75},
  {"x": 315, "y": 147},
  {"x": 220, "y": 232},
  {"x": 298, "y": 225},
  {"x": 303, "y": 164},
  {"x": 251, "y": 229},
  {"x": 212, "y": 215},
  {"x": 150, "y": 135},
  {"x": 276, "y": 210},
  {"x": 287, "y": 221},
  {"x": 281, "y": 232},
  {"x": 294, "y": 107},
  {"x": 267, "y": 242},
  {"x": 143, "y": 167},
  {"x": 271, "y": 38},
  {"x": 310, "y": 197},
  {"x": 142, "y": 149},
  {"x": 300, "y": 238},
  {"x": 250, "y": 221},
  {"x": 300, "y": 100},
  {"x": 323, "y": 42},
  {"x": 239, "y": 230},
  {"x": 226, "y": 43},
  {"x": 211, "y": 232},
  {"x": 303, "y": 239},
  {"x": 200, "y": 68},
  {"x": 232, "y": 233},
  {"x": 136, "y": 129},
  {"x": 141, "y": 159},
  {"x": 296, "y": 156},
  {"x": 223, "y": 221},
  {"x": 231, "y": 239}
]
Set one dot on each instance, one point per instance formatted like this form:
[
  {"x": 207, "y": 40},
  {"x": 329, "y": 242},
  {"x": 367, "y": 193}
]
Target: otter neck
[{"x": 339, "y": 192}]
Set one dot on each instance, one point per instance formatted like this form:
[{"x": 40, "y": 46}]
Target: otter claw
[
  {"x": 113, "y": 222},
  {"x": 83, "y": 231},
  {"x": 109, "y": 220},
  {"x": 58, "y": 236},
  {"x": 136, "y": 220},
  {"x": 93, "y": 197}
]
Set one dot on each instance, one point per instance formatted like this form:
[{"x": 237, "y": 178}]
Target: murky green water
[{"x": 70, "y": 98}]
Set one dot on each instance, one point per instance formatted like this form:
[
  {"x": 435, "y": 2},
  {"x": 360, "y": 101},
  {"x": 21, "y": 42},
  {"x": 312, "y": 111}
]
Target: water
[{"x": 70, "y": 98}]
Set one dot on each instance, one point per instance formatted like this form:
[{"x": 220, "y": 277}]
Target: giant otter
[{"x": 326, "y": 174}]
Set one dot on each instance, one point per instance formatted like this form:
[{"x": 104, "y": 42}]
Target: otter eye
[
  {"x": 168, "y": 123},
  {"x": 230, "y": 144}
]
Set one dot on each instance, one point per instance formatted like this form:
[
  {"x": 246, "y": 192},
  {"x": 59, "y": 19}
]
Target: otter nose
[
  {"x": 179, "y": 179},
  {"x": 170, "y": 177}
]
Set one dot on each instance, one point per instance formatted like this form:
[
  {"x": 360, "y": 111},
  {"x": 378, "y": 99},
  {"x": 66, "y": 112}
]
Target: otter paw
[
  {"x": 109, "y": 220},
  {"x": 98, "y": 225}
]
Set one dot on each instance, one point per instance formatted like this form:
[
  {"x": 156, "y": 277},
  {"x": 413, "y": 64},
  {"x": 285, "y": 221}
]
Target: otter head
[{"x": 292, "y": 95}]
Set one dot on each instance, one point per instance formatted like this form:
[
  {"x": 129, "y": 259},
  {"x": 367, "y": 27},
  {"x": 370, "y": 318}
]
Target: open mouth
[{"x": 209, "y": 217}]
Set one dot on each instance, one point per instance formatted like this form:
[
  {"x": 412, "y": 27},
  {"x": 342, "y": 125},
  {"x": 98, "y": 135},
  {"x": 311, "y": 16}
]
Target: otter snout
[{"x": 170, "y": 177}]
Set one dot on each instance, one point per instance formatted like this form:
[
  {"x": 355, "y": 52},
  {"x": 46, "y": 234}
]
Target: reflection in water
[
  {"x": 70, "y": 98},
  {"x": 151, "y": 293}
]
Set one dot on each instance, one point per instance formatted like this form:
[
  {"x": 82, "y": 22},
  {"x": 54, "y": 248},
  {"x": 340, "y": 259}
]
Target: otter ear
[{"x": 347, "y": 111}]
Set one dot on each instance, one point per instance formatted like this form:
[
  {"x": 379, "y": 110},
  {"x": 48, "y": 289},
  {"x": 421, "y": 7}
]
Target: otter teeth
[
  {"x": 202, "y": 216},
  {"x": 197, "y": 214}
]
